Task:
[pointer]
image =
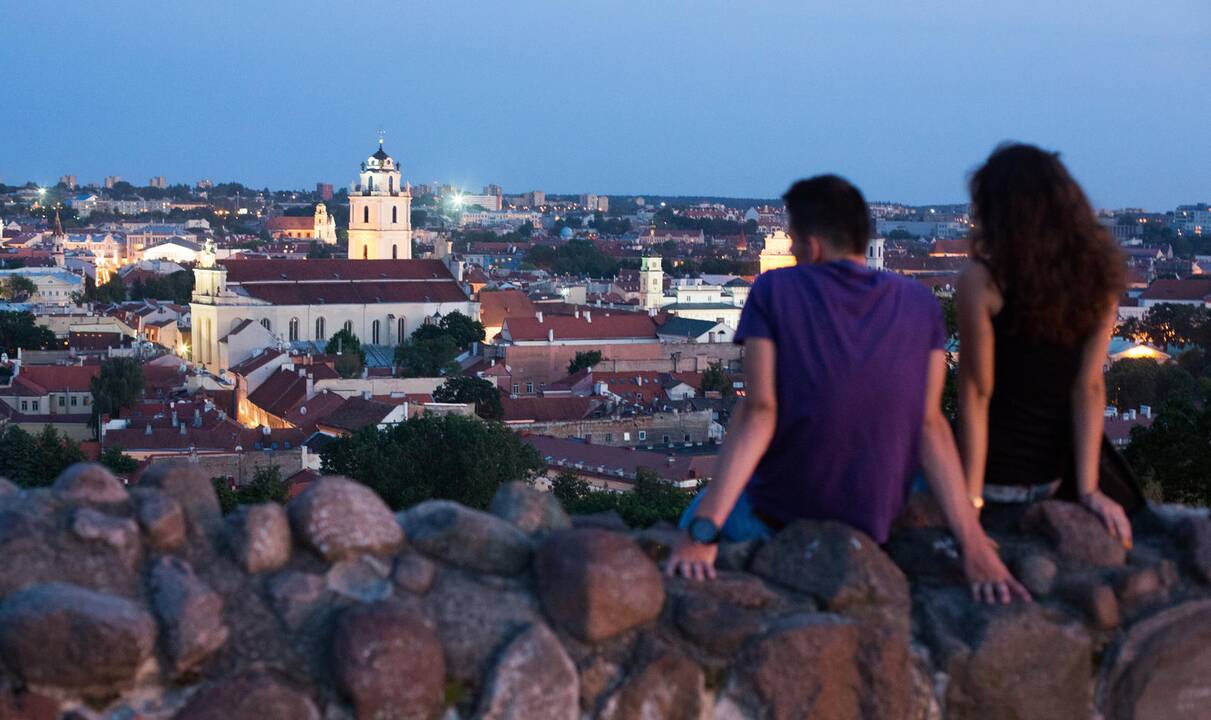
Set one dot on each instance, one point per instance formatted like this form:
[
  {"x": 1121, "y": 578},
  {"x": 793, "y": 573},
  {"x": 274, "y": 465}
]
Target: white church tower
[
  {"x": 651, "y": 283},
  {"x": 380, "y": 212}
]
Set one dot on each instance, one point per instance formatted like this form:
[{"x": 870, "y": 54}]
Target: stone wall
[{"x": 145, "y": 602}]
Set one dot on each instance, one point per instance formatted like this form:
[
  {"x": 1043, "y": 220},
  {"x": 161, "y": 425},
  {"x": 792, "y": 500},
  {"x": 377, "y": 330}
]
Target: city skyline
[{"x": 624, "y": 100}]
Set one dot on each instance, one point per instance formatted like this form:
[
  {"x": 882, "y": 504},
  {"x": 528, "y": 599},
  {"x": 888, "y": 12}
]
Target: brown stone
[
  {"x": 256, "y": 697},
  {"x": 596, "y": 584},
  {"x": 670, "y": 687},
  {"x": 1075, "y": 534},
  {"x": 259, "y": 536},
  {"x": 389, "y": 663},
  {"x": 90, "y": 483},
  {"x": 338, "y": 518},
  {"x": 193, "y": 490},
  {"x": 1161, "y": 668},
  {"x": 414, "y": 572},
  {"x": 533, "y": 679},
  {"x": 466, "y": 538},
  {"x": 162, "y": 518},
  {"x": 67, "y": 637},
  {"x": 1194, "y": 536},
  {"x": 121, "y": 534},
  {"x": 190, "y": 612}
]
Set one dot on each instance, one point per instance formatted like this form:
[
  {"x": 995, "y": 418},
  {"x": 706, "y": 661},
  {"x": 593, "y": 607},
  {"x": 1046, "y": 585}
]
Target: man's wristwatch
[{"x": 703, "y": 531}]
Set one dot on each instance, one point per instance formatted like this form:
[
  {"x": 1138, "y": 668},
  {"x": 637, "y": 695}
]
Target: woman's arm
[
  {"x": 978, "y": 301},
  {"x": 749, "y": 434},
  {"x": 1088, "y": 426}
]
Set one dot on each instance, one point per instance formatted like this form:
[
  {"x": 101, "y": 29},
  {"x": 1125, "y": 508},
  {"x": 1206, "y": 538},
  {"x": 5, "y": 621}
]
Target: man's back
[{"x": 852, "y": 352}]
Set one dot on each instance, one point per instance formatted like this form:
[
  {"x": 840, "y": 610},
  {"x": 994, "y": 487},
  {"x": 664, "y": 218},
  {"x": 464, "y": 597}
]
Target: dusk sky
[{"x": 615, "y": 96}]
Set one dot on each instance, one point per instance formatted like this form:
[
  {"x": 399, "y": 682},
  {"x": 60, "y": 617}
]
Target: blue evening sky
[{"x": 700, "y": 97}]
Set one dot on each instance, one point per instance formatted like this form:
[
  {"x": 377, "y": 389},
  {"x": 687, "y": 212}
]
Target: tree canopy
[
  {"x": 575, "y": 257},
  {"x": 1173, "y": 454},
  {"x": 651, "y": 501},
  {"x": 36, "y": 460},
  {"x": 119, "y": 385},
  {"x": 584, "y": 360},
  {"x": 117, "y": 461},
  {"x": 18, "y": 288},
  {"x": 447, "y": 457},
  {"x": 348, "y": 349},
  {"x": 484, "y": 393},
  {"x": 19, "y": 330},
  {"x": 267, "y": 485},
  {"x": 714, "y": 378},
  {"x": 1133, "y": 382},
  {"x": 176, "y": 287}
]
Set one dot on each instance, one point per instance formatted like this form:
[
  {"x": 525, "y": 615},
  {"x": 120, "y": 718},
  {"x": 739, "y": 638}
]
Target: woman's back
[{"x": 1030, "y": 412}]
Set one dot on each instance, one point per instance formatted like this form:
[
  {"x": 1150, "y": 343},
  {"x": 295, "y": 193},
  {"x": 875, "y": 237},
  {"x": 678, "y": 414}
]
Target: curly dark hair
[{"x": 1042, "y": 242}]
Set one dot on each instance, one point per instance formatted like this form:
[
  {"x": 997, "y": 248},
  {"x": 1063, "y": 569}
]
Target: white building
[
  {"x": 55, "y": 285},
  {"x": 380, "y": 211}
]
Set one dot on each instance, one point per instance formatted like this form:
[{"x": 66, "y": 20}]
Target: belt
[{"x": 1020, "y": 493}]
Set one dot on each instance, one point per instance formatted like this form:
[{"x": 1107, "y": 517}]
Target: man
[{"x": 844, "y": 368}]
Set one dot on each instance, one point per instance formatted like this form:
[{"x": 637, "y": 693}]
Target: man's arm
[
  {"x": 990, "y": 580},
  {"x": 749, "y": 435}
]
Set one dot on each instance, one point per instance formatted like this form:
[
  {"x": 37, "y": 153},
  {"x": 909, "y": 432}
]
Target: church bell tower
[{"x": 380, "y": 211}]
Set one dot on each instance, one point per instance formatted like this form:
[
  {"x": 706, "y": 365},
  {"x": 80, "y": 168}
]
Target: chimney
[
  {"x": 577, "y": 314},
  {"x": 147, "y": 430},
  {"x": 1146, "y": 411},
  {"x": 175, "y": 421},
  {"x": 265, "y": 430},
  {"x": 588, "y": 316},
  {"x": 551, "y": 335},
  {"x": 365, "y": 394},
  {"x": 539, "y": 316},
  {"x": 197, "y": 417},
  {"x": 183, "y": 430},
  {"x": 310, "y": 390}
]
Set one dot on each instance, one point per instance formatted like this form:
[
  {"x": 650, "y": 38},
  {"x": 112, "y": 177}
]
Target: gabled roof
[
  {"x": 286, "y": 222},
  {"x": 544, "y": 409},
  {"x": 1189, "y": 289},
  {"x": 281, "y": 391},
  {"x": 357, "y": 413},
  {"x": 317, "y": 270},
  {"x": 496, "y": 305},
  {"x": 684, "y": 327},
  {"x": 44, "y": 379},
  {"x": 598, "y": 326}
]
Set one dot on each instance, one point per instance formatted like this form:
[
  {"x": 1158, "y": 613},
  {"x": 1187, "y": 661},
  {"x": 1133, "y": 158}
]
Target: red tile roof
[
  {"x": 1195, "y": 288},
  {"x": 496, "y": 305},
  {"x": 307, "y": 413},
  {"x": 276, "y": 270},
  {"x": 355, "y": 293},
  {"x": 281, "y": 391},
  {"x": 545, "y": 409},
  {"x": 44, "y": 379},
  {"x": 357, "y": 413},
  {"x": 603, "y": 326},
  {"x": 606, "y": 460},
  {"x": 290, "y": 222}
]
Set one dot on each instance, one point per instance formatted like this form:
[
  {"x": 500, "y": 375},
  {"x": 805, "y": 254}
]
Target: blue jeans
[{"x": 740, "y": 525}]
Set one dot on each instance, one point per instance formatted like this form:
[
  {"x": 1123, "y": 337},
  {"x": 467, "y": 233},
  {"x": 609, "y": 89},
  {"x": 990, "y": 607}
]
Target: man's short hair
[{"x": 829, "y": 207}]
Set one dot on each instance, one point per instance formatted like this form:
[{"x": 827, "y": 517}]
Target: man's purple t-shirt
[{"x": 853, "y": 346}]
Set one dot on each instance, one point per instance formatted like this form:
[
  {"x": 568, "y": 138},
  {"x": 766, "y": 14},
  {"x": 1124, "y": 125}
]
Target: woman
[{"x": 1036, "y": 309}]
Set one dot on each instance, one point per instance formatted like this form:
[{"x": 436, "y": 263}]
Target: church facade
[{"x": 379, "y": 298}]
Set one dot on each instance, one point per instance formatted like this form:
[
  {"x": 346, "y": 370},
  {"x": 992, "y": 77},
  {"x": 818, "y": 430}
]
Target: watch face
[{"x": 703, "y": 530}]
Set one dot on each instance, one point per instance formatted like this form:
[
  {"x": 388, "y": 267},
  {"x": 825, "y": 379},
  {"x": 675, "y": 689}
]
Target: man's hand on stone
[
  {"x": 692, "y": 560},
  {"x": 991, "y": 582}
]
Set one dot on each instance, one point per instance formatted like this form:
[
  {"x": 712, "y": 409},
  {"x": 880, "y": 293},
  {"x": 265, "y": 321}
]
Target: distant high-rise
[
  {"x": 493, "y": 190},
  {"x": 324, "y": 190},
  {"x": 111, "y": 180},
  {"x": 69, "y": 181},
  {"x": 536, "y": 198},
  {"x": 159, "y": 181}
]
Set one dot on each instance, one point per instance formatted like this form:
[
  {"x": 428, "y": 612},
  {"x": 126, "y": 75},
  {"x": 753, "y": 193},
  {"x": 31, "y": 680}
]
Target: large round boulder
[{"x": 339, "y": 518}]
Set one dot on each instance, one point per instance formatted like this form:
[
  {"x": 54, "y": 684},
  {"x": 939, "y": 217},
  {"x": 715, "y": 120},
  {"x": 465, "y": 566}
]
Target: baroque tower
[
  {"x": 651, "y": 283},
  {"x": 380, "y": 211}
]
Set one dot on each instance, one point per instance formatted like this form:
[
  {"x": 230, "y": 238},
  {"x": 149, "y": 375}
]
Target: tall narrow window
[
  {"x": 391, "y": 184},
  {"x": 401, "y": 332},
  {"x": 294, "y": 329},
  {"x": 348, "y": 326},
  {"x": 365, "y": 252},
  {"x": 319, "y": 330},
  {"x": 366, "y": 214},
  {"x": 394, "y": 252},
  {"x": 266, "y": 324},
  {"x": 374, "y": 332},
  {"x": 394, "y": 215}
]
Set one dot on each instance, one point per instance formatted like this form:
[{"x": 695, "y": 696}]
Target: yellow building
[{"x": 777, "y": 252}]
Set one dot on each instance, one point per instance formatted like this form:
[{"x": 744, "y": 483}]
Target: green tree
[
  {"x": 584, "y": 360},
  {"x": 1141, "y": 381},
  {"x": 119, "y": 385},
  {"x": 431, "y": 357},
  {"x": 652, "y": 499},
  {"x": 463, "y": 389},
  {"x": 348, "y": 349},
  {"x": 715, "y": 379},
  {"x": 462, "y": 329},
  {"x": 448, "y": 457},
  {"x": 117, "y": 461},
  {"x": 19, "y": 330},
  {"x": 18, "y": 288},
  {"x": 36, "y": 460},
  {"x": 266, "y": 485},
  {"x": 1173, "y": 452}
]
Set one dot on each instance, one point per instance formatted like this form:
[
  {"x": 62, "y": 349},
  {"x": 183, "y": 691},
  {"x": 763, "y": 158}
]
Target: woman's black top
[{"x": 1030, "y": 436}]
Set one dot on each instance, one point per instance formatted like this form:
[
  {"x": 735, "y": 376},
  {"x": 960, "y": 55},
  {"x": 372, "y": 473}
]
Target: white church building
[{"x": 379, "y": 293}]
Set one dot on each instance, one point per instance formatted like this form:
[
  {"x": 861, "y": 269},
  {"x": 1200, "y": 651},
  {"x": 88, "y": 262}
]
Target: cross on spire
[{"x": 381, "y": 135}]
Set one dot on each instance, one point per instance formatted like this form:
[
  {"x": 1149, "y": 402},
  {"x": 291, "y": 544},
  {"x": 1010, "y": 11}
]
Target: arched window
[
  {"x": 366, "y": 214},
  {"x": 394, "y": 252},
  {"x": 293, "y": 329},
  {"x": 319, "y": 330},
  {"x": 402, "y": 331},
  {"x": 394, "y": 215},
  {"x": 390, "y": 183},
  {"x": 266, "y": 324},
  {"x": 348, "y": 326},
  {"x": 374, "y": 332},
  {"x": 365, "y": 252}
]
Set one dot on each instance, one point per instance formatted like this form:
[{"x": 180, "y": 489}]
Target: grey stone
[
  {"x": 8, "y": 487},
  {"x": 1076, "y": 535},
  {"x": 532, "y": 510},
  {"x": 595, "y": 584},
  {"x": 339, "y": 518},
  {"x": 1037, "y": 572},
  {"x": 90, "y": 483},
  {"x": 121, "y": 534},
  {"x": 190, "y": 612},
  {"x": 533, "y": 679},
  {"x": 389, "y": 663},
  {"x": 193, "y": 490},
  {"x": 467, "y": 538},
  {"x": 1194, "y": 534},
  {"x": 669, "y": 687},
  {"x": 362, "y": 578},
  {"x": 414, "y": 573},
  {"x": 297, "y": 597},
  {"x": 259, "y": 537},
  {"x": 840, "y": 567},
  {"x": 67, "y": 637}
]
